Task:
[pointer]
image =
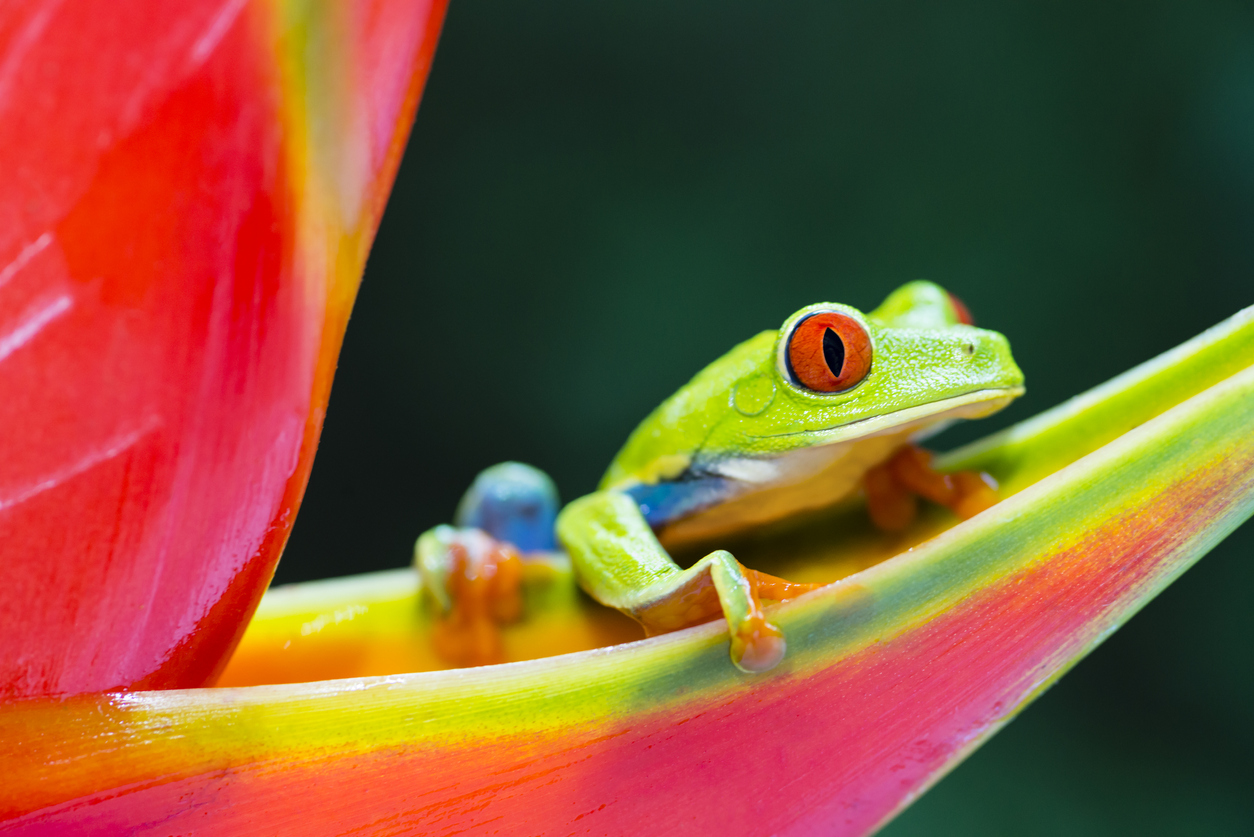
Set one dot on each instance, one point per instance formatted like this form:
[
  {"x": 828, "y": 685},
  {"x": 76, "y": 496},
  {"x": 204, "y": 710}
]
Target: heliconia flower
[
  {"x": 893, "y": 674},
  {"x": 188, "y": 191}
]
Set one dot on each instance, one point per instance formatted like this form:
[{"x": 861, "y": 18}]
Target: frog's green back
[
  {"x": 921, "y": 305},
  {"x": 663, "y": 445}
]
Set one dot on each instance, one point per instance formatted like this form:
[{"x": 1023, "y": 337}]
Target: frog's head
[{"x": 786, "y": 404}]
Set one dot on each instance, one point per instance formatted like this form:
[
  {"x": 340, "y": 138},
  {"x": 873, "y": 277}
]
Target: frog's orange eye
[{"x": 829, "y": 352}]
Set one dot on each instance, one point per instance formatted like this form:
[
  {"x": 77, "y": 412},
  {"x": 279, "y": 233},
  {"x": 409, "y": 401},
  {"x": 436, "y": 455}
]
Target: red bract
[{"x": 187, "y": 196}]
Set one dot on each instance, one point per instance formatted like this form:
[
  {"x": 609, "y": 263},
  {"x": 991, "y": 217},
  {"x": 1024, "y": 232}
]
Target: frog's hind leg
[
  {"x": 891, "y": 488},
  {"x": 472, "y": 572},
  {"x": 620, "y": 563}
]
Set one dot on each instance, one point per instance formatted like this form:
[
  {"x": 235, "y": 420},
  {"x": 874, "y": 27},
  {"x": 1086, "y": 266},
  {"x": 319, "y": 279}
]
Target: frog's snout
[{"x": 987, "y": 355}]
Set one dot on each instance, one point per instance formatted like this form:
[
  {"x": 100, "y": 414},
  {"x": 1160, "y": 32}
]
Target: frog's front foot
[
  {"x": 719, "y": 585},
  {"x": 891, "y": 488},
  {"x": 620, "y": 563},
  {"x": 474, "y": 580},
  {"x": 473, "y": 571}
]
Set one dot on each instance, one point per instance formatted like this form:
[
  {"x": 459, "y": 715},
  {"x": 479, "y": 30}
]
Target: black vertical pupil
[{"x": 833, "y": 351}]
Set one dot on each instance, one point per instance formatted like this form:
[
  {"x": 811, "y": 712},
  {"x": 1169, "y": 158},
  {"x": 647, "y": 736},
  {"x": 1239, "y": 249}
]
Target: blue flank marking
[
  {"x": 518, "y": 503},
  {"x": 667, "y": 501}
]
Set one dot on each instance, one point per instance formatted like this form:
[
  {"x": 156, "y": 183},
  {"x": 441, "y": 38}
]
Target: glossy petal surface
[
  {"x": 893, "y": 674},
  {"x": 188, "y": 194}
]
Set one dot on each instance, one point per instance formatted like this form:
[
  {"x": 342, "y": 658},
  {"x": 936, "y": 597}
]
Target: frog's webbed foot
[
  {"x": 474, "y": 571},
  {"x": 891, "y": 488},
  {"x": 620, "y": 563},
  {"x": 718, "y": 585},
  {"x": 475, "y": 581}
]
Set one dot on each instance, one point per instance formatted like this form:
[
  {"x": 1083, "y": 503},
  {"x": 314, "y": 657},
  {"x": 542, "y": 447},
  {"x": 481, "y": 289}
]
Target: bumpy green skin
[
  {"x": 745, "y": 406},
  {"x": 619, "y": 562},
  {"x": 920, "y": 358}
]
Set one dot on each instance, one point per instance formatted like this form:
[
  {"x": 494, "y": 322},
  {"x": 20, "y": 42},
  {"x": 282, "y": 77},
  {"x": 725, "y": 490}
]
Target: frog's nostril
[{"x": 968, "y": 349}]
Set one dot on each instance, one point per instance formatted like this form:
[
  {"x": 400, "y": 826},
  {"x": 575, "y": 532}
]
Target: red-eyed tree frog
[{"x": 788, "y": 421}]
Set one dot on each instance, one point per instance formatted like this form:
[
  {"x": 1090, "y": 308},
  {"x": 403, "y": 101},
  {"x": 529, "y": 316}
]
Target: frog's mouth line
[
  {"x": 982, "y": 401},
  {"x": 739, "y": 493}
]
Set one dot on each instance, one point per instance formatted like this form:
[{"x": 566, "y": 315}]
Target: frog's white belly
[{"x": 808, "y": 479}]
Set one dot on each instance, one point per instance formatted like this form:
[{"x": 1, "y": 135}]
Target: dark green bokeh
[{"x": 599, "y": 198}]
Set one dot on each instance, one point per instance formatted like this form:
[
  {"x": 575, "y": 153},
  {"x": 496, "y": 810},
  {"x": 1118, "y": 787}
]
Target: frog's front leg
[
  {"x": 620, "y": 563},
  {"x": 891, "y": 488}
]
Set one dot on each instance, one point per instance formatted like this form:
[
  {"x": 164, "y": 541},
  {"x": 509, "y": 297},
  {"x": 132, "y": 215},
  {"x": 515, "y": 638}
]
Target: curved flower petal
[
  {"x": 893, "y": 674},
  {"x": 187, "y": 197}
]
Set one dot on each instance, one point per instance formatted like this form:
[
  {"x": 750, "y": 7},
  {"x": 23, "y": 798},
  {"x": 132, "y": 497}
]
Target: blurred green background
[{"x": 600, "y": 198}]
